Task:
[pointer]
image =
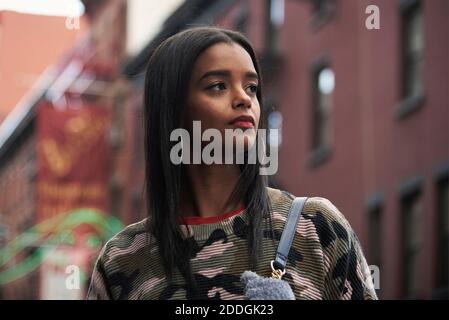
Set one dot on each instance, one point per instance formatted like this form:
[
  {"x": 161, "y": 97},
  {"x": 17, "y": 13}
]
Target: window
[
  {"x": 411, "y": 206},
  {"x": 442, "y": 257},
  {"x": 322, "y": 12},
  {"x": 323, "y": 86},
  {"x": 412, "y": 48},
  {"x": 277, "y": 12},
  {"x": 412, "y": 39},
  {"x": 274, "y": 18},
  {"x": 375, "y": 236}
]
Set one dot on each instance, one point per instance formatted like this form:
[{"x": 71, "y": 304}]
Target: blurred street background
[{"x": 359, "y": 90}]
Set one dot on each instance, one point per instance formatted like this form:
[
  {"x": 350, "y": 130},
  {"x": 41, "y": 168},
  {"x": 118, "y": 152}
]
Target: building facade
[
  {"x": 49, "y": 199},
  {"x": 363, "y": 115},
  {"x": 358, "y": 94}
]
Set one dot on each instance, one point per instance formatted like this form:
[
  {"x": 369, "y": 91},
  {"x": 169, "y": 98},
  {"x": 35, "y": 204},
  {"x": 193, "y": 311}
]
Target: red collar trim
[{"x": 209, "y": 220}]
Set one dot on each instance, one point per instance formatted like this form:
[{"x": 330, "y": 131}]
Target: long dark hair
[{"x": 167, "y": 76}]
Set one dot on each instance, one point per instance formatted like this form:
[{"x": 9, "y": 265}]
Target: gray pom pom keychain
[
  {"x": 264, "y": 288},
  {"x": 274, "y": 288}
]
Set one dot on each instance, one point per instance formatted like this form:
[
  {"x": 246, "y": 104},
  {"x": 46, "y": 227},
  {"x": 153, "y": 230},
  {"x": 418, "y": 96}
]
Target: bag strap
[{"x": 279, "y": 263}]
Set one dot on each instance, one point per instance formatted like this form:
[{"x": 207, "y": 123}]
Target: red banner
[{"x": 72, "y": 158}]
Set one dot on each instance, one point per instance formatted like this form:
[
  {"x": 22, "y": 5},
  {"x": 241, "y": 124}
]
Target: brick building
[
  {"x": 87, "y": 74},
  {"x": 364, "y": 119},
  {"x": 20, "y": 35},
  {"x": 363, "y": 116}
]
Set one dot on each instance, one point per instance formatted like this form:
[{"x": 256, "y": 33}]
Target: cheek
[{"x": 209, "y": 111}]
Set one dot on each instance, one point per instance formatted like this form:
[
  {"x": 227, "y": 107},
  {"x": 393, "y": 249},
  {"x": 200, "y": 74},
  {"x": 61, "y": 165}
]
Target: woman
[{"x": 208, "y": 223}]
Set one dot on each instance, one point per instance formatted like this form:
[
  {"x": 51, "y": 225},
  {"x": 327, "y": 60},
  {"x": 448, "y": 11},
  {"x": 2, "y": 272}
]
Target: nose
[{"x": 241, "y": 99}]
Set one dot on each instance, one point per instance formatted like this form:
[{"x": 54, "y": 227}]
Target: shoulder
[
  {"x": 125, "y": 264},
  {"x": 132, "y": 238},
  {"x": 281, "y": 201},
  {"x": 327, "y": 221}
]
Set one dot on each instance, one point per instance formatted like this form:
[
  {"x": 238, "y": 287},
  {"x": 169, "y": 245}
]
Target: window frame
[
  {"x": 410, "y": 102},
  {"x": 319, "y": 152},
  {"x": 410, "y": 191}
]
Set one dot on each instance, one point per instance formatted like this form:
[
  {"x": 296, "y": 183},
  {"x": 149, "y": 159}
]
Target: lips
[{"x": 244, "y": 122}]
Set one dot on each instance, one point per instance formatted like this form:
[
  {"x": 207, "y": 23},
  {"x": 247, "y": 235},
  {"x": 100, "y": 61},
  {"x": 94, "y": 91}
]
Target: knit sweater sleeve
[
  {"x": 349, "y": 277},
  {"x": 347, "y": 274},
  {"x": 99, "y": 287},
  {"x": 118, "y": 265}
]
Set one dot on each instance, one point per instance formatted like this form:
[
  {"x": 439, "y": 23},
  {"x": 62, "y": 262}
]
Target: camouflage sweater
[{"x": 325, "y": 261}]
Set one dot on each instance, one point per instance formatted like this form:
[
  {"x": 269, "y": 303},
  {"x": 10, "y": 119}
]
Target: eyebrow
[{"x": 226, "y": 73}]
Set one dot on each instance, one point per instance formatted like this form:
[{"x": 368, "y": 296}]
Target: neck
[{"x": 206, "y": 190}]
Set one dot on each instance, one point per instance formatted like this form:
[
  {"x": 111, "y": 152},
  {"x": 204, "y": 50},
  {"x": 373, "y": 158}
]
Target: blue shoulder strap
[{"x": 288, "y": 234}]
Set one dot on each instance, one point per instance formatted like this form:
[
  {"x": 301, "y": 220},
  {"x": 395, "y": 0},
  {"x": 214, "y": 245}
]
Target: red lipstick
[{"x": 244, "y": 122}]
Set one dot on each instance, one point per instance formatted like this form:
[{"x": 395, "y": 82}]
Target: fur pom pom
[{"x": 262, "y": 288}]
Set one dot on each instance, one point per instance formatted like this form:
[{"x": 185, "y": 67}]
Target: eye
[
  {"x": 217, "y": 86},
  {"x": 252, "y": 88}
]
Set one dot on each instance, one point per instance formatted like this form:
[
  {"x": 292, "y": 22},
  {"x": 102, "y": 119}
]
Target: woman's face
[{"x": 222, "y": 92}]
